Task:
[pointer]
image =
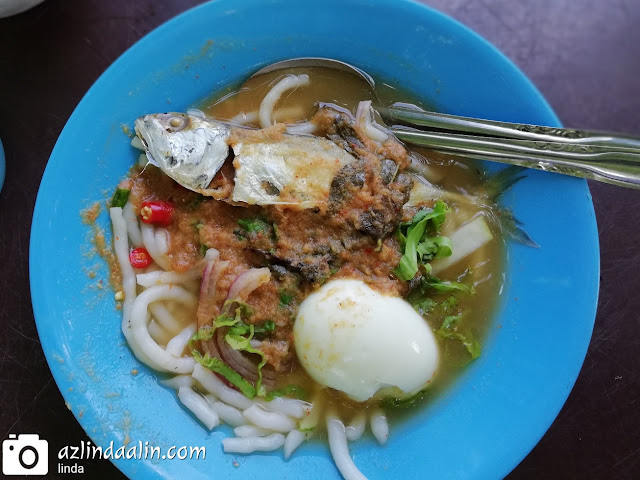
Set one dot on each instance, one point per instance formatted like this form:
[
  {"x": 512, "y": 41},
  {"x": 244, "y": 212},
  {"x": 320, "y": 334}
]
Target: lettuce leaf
[
  {"x": 452, "y": 330},
  {"x": 220, "y": 367}
]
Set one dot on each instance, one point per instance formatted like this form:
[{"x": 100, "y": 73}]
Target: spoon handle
[
  {"x": 454, "y": 124},
  {"x": 619, "y": 166}
]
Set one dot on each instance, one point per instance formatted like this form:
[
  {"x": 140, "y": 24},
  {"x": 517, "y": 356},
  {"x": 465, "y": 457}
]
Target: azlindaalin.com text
[{"x": 133, "y": 451}]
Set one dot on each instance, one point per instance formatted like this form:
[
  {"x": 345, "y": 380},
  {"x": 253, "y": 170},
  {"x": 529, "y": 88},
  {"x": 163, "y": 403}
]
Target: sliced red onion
[
  {"x": 240, "y": 363},
  {"x": 247, "y": 282},
  {"x": 206, "y": 304}
]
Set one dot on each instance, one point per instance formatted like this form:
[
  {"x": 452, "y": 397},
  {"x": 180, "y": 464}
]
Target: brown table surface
[{"x": 584, "y": 55}]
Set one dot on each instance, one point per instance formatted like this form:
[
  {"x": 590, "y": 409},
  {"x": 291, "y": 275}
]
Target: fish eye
[{"x": 176, "y": 123}]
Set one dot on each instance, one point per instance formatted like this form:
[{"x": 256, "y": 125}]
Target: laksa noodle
[{"x": 295, "y": 270}]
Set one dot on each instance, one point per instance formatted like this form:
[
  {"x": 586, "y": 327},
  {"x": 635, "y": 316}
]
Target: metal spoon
[{"x": 604, "y": 157}]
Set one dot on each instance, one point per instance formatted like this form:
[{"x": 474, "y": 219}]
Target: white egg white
[{"x": 354, "y": 339}]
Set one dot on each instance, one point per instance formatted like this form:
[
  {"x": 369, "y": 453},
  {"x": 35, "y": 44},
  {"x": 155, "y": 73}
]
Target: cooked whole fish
[{"x": 271, "y": 167}]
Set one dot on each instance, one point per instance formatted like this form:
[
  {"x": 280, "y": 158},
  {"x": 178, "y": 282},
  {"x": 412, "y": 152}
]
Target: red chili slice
[
  {"x": 140, "y": 258},
  {"x": 157, "y": 212}
]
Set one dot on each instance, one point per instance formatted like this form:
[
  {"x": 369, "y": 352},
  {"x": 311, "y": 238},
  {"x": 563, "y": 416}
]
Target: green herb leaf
[
  {"x": 120, "y": 197},
  {"x": 203, "y": 249},
  {"x": 451, "y": 330},
  {"x": 434, "y": 247},
  {"x": 195, "y": 202},
  {"x": 197, "y": 224},
  {"x": 437, "y": 214},
  {"x": 417, "y": 245},
  {"x": 295, "y": 391},
  {"x": 253, "y": 225},
  {"x": 265, "y": 328},
  {"x": 285, "y": 298}
]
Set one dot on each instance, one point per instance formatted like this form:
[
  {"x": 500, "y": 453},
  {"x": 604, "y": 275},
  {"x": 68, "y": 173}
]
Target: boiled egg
[{"x": 354, "y": 339}]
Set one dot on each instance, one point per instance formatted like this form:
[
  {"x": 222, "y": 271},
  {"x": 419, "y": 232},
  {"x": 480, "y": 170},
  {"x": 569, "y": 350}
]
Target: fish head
[{"x": 188, "y": 148}]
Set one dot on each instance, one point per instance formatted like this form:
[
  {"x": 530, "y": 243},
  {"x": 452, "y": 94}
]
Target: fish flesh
[{"x": 271, "y": 167}]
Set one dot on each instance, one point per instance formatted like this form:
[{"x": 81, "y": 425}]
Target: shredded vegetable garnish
[
  {"x": 221, "y": 368},
  {"x": 239, "y": 338},
  {"x": 420, "y": 240},
  {"x": 452, "y": 330},
  {"x": 285, "y": 298},
  {"x": 253, "y": 225}
]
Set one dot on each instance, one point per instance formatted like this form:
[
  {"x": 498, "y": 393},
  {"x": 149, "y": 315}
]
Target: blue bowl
[{"x": 491, "y": 417}]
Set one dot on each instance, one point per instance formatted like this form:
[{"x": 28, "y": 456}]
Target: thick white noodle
[
  {"x": 213, "y": 384},
  {"x": 199, "y": 406},
  {"x": 159, "y": 334},
  {"x": 306, "y": 128},
  {"x": 364, "y": 121},
  {"x": 251, "y": 431},
  {"x": 164, "y": 317},
  {"x": 252, "y": 117},
  {"x": 355, "y": 429},
  {"x": 275, "y": 421},
  {"x": 270, "y": 99},
  {"x": 245, "y": 118},
  {"x": 294, "y": 440},
  {"x": 379, "y": 426},
  {"x": 228, "y": 414},
  {"x": 161, "y": 237},
  {"x": 142, "y": 160},
  {"x": 253, "y": 444},
  {"x": 133, "y": 227},
  {"x": 160, "y": 277},
  {"x": 178, "y": 343},
  {"x": 340, "y": 449},
  {"x": 178, "y": 381},
  {"x": 149, "y": 240},
  {"x": 160, "y": 359},
  {"x": 288, "y": 406},
  {"x": 121, "y": 247}
]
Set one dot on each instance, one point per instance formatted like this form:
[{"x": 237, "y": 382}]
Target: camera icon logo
[{"x": 25, "y": 455}]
